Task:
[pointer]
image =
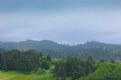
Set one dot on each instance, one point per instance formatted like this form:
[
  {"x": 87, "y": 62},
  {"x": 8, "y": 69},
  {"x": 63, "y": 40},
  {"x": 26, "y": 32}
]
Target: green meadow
[{"x": 13, "y": 75}]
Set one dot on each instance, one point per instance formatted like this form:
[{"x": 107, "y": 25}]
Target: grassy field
[{"x": 13, "y": 75}]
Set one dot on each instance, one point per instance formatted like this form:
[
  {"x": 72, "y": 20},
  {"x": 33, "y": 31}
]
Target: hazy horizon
[
  {"x": 72, "y": 21},
  {"x": 61, "y": 42}
]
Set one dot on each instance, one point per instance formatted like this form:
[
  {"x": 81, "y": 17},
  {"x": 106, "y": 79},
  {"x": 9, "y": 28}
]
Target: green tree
[{"x": 60, "y": 71}]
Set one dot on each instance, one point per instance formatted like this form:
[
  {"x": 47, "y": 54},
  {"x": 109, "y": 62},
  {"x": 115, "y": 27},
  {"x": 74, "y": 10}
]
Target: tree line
[
  {"x": 62, "y": 68},
  {"x": 73, "y": 68},
  {"x": 23, "y": 61}
]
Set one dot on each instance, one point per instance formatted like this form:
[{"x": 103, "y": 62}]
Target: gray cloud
[
  {"x": 67, "y": 24},
  {"x": 15, "y": 5}
]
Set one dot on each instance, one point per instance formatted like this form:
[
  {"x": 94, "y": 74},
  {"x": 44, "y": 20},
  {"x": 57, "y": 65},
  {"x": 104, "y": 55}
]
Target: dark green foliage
[
  {"x": 60, "y": 70},
  {"x": 40, "y": 71},
  {"x": 91, "y": 60},
  {"x": 48, "y": 58},
  {"x": 23, "y": 61},
  {"x": 105, "y": 71},
  {"x": 45, "y": 62},
  {"x": 102, "y": 61},
  {"x": 0, "y": 61},
  {"x": 45, "y": 65},
  {"x": 28, "y": 61},
  {"x": 9, "y": 59},
  {"x": 63, "y": 68},
  {"x": 112, "y": 61},
  {"x": 73, "y": 67}
]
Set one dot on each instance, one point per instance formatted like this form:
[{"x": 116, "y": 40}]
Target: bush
[{"x": 40, "y": 71}]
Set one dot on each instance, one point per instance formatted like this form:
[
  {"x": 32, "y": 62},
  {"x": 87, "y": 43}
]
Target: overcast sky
[{"x": 73, "y": 21}]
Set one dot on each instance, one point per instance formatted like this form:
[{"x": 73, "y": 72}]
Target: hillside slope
[{"x": 95, "y": 49}]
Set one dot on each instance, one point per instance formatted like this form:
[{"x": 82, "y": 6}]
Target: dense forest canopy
[{"x": 67, "y": 68}]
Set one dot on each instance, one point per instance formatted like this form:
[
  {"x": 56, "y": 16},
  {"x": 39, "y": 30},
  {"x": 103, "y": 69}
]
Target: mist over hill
[{"x": 97, "y": 50}]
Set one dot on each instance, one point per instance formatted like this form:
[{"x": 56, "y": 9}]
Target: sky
[{"x": 69, "y": 21}]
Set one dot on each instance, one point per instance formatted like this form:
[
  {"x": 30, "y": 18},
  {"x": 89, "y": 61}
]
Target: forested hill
[{"x": 95, "y": 49}]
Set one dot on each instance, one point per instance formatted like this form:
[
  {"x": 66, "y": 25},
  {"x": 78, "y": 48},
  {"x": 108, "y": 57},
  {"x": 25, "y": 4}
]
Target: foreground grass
[{"x": 13, "y": 75}]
